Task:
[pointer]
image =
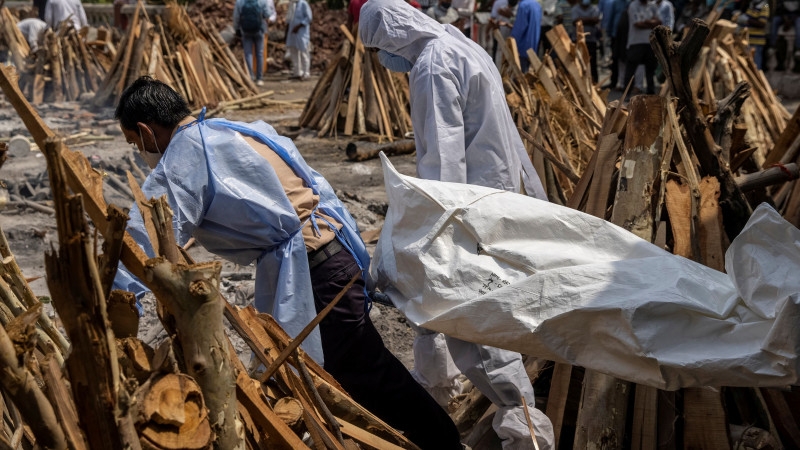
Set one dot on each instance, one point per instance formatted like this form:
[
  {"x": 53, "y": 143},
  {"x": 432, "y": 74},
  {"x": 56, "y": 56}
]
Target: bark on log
[
  {"x": 645, "y": 141},
  {"x": 362, "y": 151},
  {"x": 21, "y": 386},
  {"x": 74, "y": 282},
  {"x": 768, "y": 177},
  {"x": 191, "y": 295}
]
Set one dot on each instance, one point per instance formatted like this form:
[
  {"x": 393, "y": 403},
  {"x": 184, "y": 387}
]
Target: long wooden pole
[{"x": 306, "y": 331}]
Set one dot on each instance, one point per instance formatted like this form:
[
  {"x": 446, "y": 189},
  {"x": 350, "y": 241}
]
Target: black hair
[{"x": 152, "y": 102}]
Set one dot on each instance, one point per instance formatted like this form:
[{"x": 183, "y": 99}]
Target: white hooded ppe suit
[{"x": 464, "y": 133}]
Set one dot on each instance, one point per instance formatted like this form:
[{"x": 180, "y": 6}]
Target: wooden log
[
  {"x": 355, "y": 85},
  {"x": 768, "y": 177},
  {"x": 54, "y": 56},
  {"x": 63, "y": 404},
  {"x": 712, "y": 241},
  {"x": 340, "y": 404},
  {"x": 191, "y": 295},
  {"x": 74, "y": 283},
  {"x": 557, "y": 400},
  {"x": 705, "y": 424},
  {"x": 21, "y": 386},
  {"x": 786, "y": 139},
  {"x": 677, "y": 61},
  {"x": 602, "y": 413},
  {"x": 251, "y": 397},
  {"x": 645, "y": 140},
  {"x": 362, "y": 151},
  {"x": 171, "y": 413}
]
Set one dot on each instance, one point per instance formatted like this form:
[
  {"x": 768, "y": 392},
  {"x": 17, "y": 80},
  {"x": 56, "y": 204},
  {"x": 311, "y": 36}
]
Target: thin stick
[
  {"x": 306, "y": 331},
  {"x": 530, "y": 424}
]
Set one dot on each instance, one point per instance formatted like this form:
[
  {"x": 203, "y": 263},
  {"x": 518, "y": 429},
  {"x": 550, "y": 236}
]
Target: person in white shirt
[
  {"x": 58, "y": 11},
  {"x": 548, "y": 22},
  {"x": 32, "y": 28},
  {"x": 666, "y": 12}
]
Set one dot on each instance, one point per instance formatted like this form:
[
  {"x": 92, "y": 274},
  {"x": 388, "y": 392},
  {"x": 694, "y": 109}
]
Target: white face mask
[{"x": 150, "y": 158}]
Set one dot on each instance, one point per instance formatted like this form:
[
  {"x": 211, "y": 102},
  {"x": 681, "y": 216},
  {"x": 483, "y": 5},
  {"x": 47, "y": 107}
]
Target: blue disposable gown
[
  {"x": 302, "y": 15},
  {"x": 229, "y": 198},
  {"x": 527, "y": 27}
]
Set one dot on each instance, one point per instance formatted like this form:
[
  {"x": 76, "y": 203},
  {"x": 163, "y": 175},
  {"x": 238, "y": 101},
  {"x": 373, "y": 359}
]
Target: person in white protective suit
[
  {"x": 464, "y": 133},
  {"x": 246, "y": 194},
  {"x": 57, "y": 11}
]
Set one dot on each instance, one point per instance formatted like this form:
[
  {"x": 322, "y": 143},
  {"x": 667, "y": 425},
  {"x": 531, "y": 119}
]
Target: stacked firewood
[
  {"x": 557, "y": 109},
  {"x": 193, "y": 60},
  {"x": 63, "y": 67},
  {"x": 356, "y": 95},
  {"x": 100, "y": 387},
  {"x": 681, "y": 171}
]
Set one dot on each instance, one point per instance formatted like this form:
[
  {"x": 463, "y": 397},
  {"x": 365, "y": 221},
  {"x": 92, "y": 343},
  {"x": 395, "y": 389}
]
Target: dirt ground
[{"x": 31, "y": 233}]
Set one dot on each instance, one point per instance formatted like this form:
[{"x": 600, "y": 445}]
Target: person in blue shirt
[
  {"x": 298, "y": 35},
  {"x": 250, "y": 22},
  {"x": 527, "y": 30},
  {"x": 246, "y": 194}
]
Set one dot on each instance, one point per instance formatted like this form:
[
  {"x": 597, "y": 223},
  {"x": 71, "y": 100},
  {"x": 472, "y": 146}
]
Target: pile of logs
[
  {"x": 556, "y": 107},
  {"x": 356, "y": 95},
  {"x": 193, "y": 60},
  {"x": 63, "y": 67},
  {"x": 682, "y": 172},
  {"x": 100, "y": 387}
]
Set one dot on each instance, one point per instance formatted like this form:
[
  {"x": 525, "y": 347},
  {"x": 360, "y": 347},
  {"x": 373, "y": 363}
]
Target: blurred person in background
[
  {"x": 298, "y": 35},
  {"x": 589, "y": 15},
  {"x": 57, "y": 11},
  {"x": 527, "y": 30},
  {"x": 250, "y": 22}
]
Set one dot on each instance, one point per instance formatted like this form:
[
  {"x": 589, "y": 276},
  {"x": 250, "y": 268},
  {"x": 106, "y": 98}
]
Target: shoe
[{"x": 260, "y": 83}]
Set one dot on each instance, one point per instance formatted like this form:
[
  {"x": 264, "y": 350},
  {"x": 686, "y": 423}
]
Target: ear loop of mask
[{"x": 155, "y": 141}]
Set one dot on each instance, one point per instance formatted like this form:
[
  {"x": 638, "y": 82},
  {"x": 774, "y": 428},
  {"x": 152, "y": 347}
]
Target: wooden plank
[
  {"x": 355, "y": 83},
  {"x": 281, "y": 436},
  {"x": 647, "y": 133},
  {"x": 679, "y": 209},
  {"x": 603, "y": 412},
  {"x": 365, "y": 437},
  {"x": 785, "y": 419},
  {"x": 556, "y": 36},
  {"x": 786, "y": 139},
  {"x": 711, "y": 233},
  {"x": 598, "y": 193},
  {"x": 557, "y": 400},
  {"x": 644, "y": 433},
  {"x": 705, "y": 423},
  {"x": 62, "y": 402}
]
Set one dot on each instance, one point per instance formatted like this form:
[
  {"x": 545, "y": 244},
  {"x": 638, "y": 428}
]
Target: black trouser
[
  {"x": 615, "y": 53},
  {"x": 356, "y": 357},
  {"x": 637, "y": 55},
  {"x": 544, "y": 43},
  {"x": 592, "y": 47}
]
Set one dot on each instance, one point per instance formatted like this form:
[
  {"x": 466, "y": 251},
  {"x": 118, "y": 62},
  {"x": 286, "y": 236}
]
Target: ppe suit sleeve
[{"x": 438, "y": 127}]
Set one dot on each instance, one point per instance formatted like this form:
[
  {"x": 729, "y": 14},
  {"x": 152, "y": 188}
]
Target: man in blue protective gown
[
  {"x": 527, "y": 30},
  {"x": 245, "y": 193}
]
